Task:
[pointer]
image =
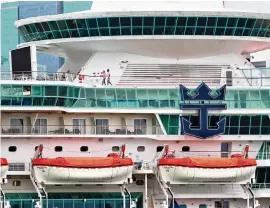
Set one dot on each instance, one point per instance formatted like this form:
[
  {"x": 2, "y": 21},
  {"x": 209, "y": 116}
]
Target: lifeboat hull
[
  {"x": 4, "y": 170},
  {"x": 189, "y": 175},
  {"x": 50, "y": 175},
  {"x": 109, "y": 170}
]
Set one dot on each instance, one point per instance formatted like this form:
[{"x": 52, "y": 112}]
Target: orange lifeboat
[
  {"x": 237, "y": 169},
  {"x": 4, "y": 167},
  {"x": 112, "y": 169}
]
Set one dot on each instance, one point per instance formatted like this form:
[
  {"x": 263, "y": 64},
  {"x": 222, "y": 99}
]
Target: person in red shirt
[{"x": 103, "y": 78}]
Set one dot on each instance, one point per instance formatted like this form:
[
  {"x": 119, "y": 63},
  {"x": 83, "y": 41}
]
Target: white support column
[
  {"x": 34, "y": 123},
  {"x": 164, "y": 191},
  {"x": 253, "y": 196},
  {"x": 40, "y": 190},
  {"x": 123, "y": 195},
  {"x": 247, "y": 194},
  {"x": 2, "y": 193},
  {"x": 145, "y": 192},
  {"x": 129, "y": 195},
  {"x": 161, "y": 124}
]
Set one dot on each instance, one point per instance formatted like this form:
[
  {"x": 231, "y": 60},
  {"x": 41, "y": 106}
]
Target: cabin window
[
  {"x": 16, "y": 125},
  {"x": 202, "y": 206},
  {"x": 102, "y": 126},
  {"x": 225, "y": 149},
  {"x": 79, "y": 126},
  {"x": 221, "y": 204},
  {"x": 16, "y": 183},
  {"x": 58, "y": 149},
  {"x": 41, "y": 126},
  {"x": 139, "y": 182},
  {"x": 12, "y": 149},
  {"x": 115, "y": 148},
  {"x": 141, "y": 148},
  {"x": 185, "y": 149},
  {"x": 139, "y": 126},
  {"x": 84, "y": 148},
  {"x": 159, "y": 148}
]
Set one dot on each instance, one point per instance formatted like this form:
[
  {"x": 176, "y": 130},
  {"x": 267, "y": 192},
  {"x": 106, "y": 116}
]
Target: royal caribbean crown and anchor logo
[{"x": 203, "y": 95}]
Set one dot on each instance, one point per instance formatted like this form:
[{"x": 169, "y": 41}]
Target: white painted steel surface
[
  {"x": 50, "y": 175},
  {"x": 186, "y": 175}
]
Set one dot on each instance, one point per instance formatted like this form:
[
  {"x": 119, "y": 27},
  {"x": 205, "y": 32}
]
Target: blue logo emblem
[{"x": 201, "y": 94}]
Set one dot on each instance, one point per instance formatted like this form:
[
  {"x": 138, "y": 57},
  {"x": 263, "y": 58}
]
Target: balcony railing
[
  {"x": 95, "y": 81},
  {"x": 258, "y": 186},
  {"x": 81, "y": 130}
]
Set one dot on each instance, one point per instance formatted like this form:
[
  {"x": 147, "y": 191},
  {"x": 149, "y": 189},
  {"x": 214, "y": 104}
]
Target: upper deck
[{"x": 150, "y": 76}]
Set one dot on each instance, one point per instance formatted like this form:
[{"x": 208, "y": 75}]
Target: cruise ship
[{"x": 158, "y": 105}]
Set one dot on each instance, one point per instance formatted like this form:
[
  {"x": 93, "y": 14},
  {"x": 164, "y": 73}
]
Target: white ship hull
[
  {"x": 186, "y": 175},
  {"x": 50, "y": 175}
]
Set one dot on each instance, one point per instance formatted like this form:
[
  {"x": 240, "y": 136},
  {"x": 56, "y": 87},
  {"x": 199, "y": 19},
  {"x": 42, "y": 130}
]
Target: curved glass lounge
[{"x": 145, "y": 25}]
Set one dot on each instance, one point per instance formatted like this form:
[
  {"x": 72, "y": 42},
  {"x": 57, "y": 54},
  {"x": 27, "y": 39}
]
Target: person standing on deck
[
  {"x": 103, "y": 78},
  {"x": 108, "y": 77}
]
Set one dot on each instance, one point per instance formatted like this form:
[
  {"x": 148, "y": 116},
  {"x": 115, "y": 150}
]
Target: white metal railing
[
  {"x": 81, "y": 130},
  {"x": 135, "y": 80}
]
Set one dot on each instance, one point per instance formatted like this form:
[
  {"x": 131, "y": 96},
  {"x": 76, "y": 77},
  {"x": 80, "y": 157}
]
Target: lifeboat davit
[
  {"x": 112, "y": 169},
  {"x": 237, "y": 169},
  {"x": 4, "y": 167}
]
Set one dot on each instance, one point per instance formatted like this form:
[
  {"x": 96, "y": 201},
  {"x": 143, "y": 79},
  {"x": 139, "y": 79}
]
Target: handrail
[
  {"x": 137, "y": 80},
  {"x": 82, "y": 130}
]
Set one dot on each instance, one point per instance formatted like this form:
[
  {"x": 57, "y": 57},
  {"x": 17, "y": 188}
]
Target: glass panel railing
[{"x": 81, "y": 97}]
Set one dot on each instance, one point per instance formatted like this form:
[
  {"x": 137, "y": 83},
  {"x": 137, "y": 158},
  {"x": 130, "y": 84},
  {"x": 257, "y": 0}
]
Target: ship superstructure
[{"x": 152, "y": 108}]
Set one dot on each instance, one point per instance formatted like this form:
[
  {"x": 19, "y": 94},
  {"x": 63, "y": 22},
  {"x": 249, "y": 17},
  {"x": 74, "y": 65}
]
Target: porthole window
[
  {"x": 159, "y": 148},
  {"x": 16, "y": 183},
  {"x": 12, "y": 149},
  {"x": 141, "y": 148},
  {"x": 185, "y": 149},
  {"x": 139, "y": 182},
  {"x": 115, "y": 148},
  {"x": 84, "y": 148},
  {"x": 58, "y": 149}
]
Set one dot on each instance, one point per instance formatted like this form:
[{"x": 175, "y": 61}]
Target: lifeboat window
[
  {"x": 185, "y": 149},
  {"x": 58, "y": 149},
  {"x": 16, "y": 183},
  {"x": 141, "y": 148},
  {"x": 202, "y": 206},
  {"x": 139, "y": 182},
  {"x": 159, "y": 148},
  {"x": 84, "y": 148},
  {"x": 115, "y": 148},
  {"x": 12, "y": 149}
]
